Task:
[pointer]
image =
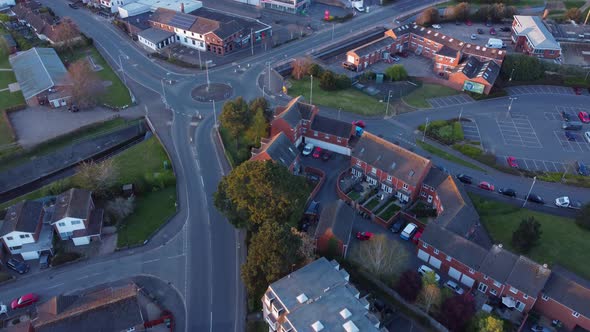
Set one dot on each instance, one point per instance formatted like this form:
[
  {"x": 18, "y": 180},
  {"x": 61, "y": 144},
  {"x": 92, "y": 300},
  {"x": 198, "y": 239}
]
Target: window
[
  {"x": 513, "y": 290},
  {"x": 576, "y": 314},
  {"x": 497, "y": 284},
  {"x": 61, "y": 224},
  {"x": 429, "y": 199},
  {"x": 482, "y": 288},
  {"x": 525, "y": 296},
  {"x": 405, "y": 186},
  {"x": 493, "y": 291},
  {"x": 327, "y": 137},
  {"x": 22, "y": 236},
  {"x": 76, "y": 222},
  {"x": 9, "y": 238},
  {"x": 339, "y": 140},
  {"x": 358, "y": 162},
  {"x": 373, "y": 170},
  {"x": 472, "y": 271},
  {"x": 389, "y": 177},
  {"x": 485, "y": 278},
  {"x": 423, "y": 194},
  {"x": 315, "y": 133},
  {"x": 545, "y": 297},
  {"x": 436, "y": 251}
]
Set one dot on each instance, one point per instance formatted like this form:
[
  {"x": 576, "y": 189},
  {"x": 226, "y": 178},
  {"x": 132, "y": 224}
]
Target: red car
[
  {"x": 492, "y": 31},
  {"x": 486, "y": 186},
  {"x": 584, "y": 117},
  {"x": 317, "y": 152},
  {"x": 359, "y": 123},
  {"x": 363, "y": 236},
  {"x": 468, "y": 22},
  {"x": 578, "y": 90},
  {"x": 512, "y": 162},
  {"x": 24, "y": 301},
  {"x": 417, "y": 236}
]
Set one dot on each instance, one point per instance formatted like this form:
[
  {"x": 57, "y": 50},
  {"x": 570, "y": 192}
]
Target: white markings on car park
[
  {"x": 540, "y": 165},
  {"x": 540, "y": 89},
  {"x": 579, "y": 145},
  {"x": 518, "y": 132},
  {"x": 450, "y": 101},
  {"x": 471, "y": 131}
]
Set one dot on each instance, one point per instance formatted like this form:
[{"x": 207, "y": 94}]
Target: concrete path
[{"x": 5, "y": 69}]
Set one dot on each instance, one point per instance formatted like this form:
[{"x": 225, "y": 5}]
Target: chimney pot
[{"x": 182, "y": 7}]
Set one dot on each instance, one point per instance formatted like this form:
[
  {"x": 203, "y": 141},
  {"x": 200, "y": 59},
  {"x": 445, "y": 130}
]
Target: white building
[
  {"x": 74, "y": 217},
  {"x": 156, "y": 39},
  {"x": 6, "y": 3},
  {"x": 24, "y": 232},
  {"x": 136, "y": 7}
]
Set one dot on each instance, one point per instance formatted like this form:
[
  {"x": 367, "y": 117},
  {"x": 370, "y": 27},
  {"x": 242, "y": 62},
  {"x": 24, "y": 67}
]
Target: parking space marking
[
  {"x": 450, "y": 100},
  {"x": 540, "y": 165},
  {"x": 532, "y": 89},
  {"x": 518, "y": 132},
  {"x": 471, "y": 131},
  {"x": 579, "y": 145}
]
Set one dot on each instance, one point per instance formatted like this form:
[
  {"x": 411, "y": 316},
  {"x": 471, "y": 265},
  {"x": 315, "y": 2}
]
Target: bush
[
  {"x": 315, "y": 70},
  {"x": 65, "y": 257},
  {"x": 5, "y": 276},
  {"x": 159, "y": 180},
  {"x": 396, "y": 73},
  {"x": 328, "y": 81},
  {"x": 343, "y": 82},
  {"x": 477, "y": 154},
  {"x": 445, "y": 131},
  {"x": 522, "y": 68},
  {"x": 428, "y": 16}
]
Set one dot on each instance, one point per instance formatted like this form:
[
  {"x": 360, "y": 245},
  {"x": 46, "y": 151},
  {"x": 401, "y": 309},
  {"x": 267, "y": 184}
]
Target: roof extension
[
  {"x": 279, "y": 148},
  {"x": 155, "y": 35},
  {"x": 295, "y": 111}
]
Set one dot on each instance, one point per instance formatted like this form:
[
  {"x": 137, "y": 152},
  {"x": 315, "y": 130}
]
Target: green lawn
[
  {"x": 349, "y": 100},
  {"x": 562, "y": 241},
  {"x": 6, "y": 77},
  {"x": 141, "y": 160},
  {"x": 515, "y": 3},
  {"x": 372, "y": 204},
  {"x": 117, "y": 94},
  {"x": 574, "y": 3},
  {"x": 445, "y": 155},
  {"x": 389, "y": 212},
  {"x": 354, "y": 195},
  {"x": 152, "y": 210},
  {"x": 417, "y": 98}
]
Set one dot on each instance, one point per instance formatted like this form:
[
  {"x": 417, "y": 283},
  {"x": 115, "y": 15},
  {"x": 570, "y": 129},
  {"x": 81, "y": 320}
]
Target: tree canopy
[
  {"x": 428, "y": 16},
  {"x": 583, "y": 217},
  {"x": 526, "y": 236},
  {"x": 380, "y": 256},
  {"x": 409, "y": 285},
  {"x": 256, "y": 192},
  {"x": 522, "y": 68},
  {"x": 396, "y": 73},
  {"x": 457, "y": 311},
  {"x": 484, "y": 322}
]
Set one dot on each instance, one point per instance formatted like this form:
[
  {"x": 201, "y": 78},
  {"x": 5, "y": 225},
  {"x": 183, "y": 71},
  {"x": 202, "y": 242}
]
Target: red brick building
[
  {"x": 530, "y": 36},
  {"x": 389, "y": 166},
  {"x": 333, "y": 232},
  {"x": 279, "y": 149}
]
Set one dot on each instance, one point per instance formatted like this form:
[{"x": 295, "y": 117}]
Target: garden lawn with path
[
  {"x": 349, "y": 100},
  {"x": 389, "y": 212},
  {"x": 562, "y": 240},
  {"x": 417, "y": 98},
  {"x": 354, "y": 195}
]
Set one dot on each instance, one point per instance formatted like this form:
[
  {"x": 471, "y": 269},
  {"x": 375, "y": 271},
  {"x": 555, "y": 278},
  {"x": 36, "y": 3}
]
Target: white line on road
[
  {"x": 82, "y": 277},
  {"x": 211, "y": 323},
  {"x": 175, "y": 256},
  {"x": 202, "y": 182},
  {"x": 55, "y": 285},
  {"x": 151, "y": 260}
]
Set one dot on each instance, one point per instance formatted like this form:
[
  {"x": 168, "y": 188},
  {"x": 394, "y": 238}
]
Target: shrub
[
  {"x": 315, "y": 70},
  {"x": 396, "y": 73},
  {"x": 445, "y": 131},
  {"x": 328, "y": 81},
  {"x": 343, "y": 82},
  {"x": 65, "y": 257}
]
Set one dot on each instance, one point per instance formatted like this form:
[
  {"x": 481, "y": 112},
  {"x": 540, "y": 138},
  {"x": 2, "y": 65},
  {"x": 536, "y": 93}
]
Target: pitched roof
[
  {"x": 447, "y": 51},
  {"x": 458, "y": 247},
  {"x": 155, "y": 35},
  {"x": 203, "y": 25},
  {"x": 93, "y": 224},
  {"x": 391, "y": 158},
  {"x": 498, "y": 263},
  {"x": 338, "y": 218},
  {"x": 569, "y": 289},
  {"x": 74, "y": 203},
  {"x": 373, "y": 46},
  {"x": 37, "y": 70},
  {"x": 24, "y": 216},
  {"x": 279, "y": 148},
  {"x": 535, "y": 31},
  {"x": 472, "y": 68},
  {"x": 528, "y": 276},
  {"x": 295, "y": 111},
  {"x": 331, "y": 126},
  {"x": 227, "y": 29}
]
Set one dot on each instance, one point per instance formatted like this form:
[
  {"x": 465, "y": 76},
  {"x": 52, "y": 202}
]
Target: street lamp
[
  {"x": 311, "y": 91},
  {"x": 527, "y": 195},
  {"x": 511, "y": 73},
  {"x": 214, "y": 114},
  {"x": 121, "y": 66},
  {"x": 164, "y": 93},
  {"x": 425, "y": 128},
  {"x": 387, "y": 107},
  {"x": 207, "y": 71},
  {"x": 510, "y": 105}
]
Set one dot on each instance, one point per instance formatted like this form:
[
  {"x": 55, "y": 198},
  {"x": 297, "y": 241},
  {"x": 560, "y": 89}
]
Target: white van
[
  {"x": 408, "y": 231},
  {"x": 495, "y": 43}
]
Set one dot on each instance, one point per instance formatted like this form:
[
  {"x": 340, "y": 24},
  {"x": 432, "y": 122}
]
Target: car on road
[
  {"x": 364, "y": 236},
  {"x": 317, "y": 152},
  {"x": 308, "y": 149},
  {"x": 486, "y": 186},
  {"x": 505, "y": 29},
  {"x": 398, "y": 226},
  {"x": 349, "y": 66},
  {"x": 577, "y": 90},
  {"x": 512, "y": 161},
  {"x": 480, "y": 31},
  {"x": 454, "y": 287},
  {"x": 436, "y": 26},
  {"x": 422, "y": 270},
  {"x": 16, "y": 265},
  {"x": 570, "y": 136},
  {"x": 535, "y": 198},
  {"x": 465, "y": 178},
  {"x": 507, "y": 192},
  {"x": 24, "y": 301},
  {"x": 359, "y": 123},
  {"x": 565, "y": 202},
  {"x": 73, "y": 5},
  {"x": 587, "y": 136},
  {"x": 473, "y": 36},
  {"x": 492, "y": 31},
  {"x": 584, "y": 117},
  {"x": 326, "y": 155},
  {"x": 582, "y": 169}
]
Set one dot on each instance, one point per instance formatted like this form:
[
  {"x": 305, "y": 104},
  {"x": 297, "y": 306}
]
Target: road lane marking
[
  {"x": 151, "y": 260},
  {"x": 55, "y": 285},
  {"x": 202, "y": 182}
]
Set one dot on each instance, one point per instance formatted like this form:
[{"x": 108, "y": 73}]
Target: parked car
[
  {"x": 422, "y": 270},
  {"x": 468, "y": 23},
  {"x": 454, "y": 287},
  {"x": 403, "y": 54},
  {"x": 480, "y": 31},
  {"x": 584, "y": 117},
  {"x": 408, "y": 231},
  {"x": 587, "y": 136},
  {"x": 566, "y": 116},
  {"x": 417, "y": 236},
  {"x": 436, "y": 26},
  {"x": 582, "y": 169},
  {"x": 326, "y": 155},
  {"x": 572, "y": 125},
  {"x": 317, "y": 152},
  {"x": 465, "y": 178},
  {"x": 473, "y": 36},
  {"x": 44, "y": 260},
  {"x": 507, "y": 192},
  {"x": 359, "y": 123},
  {"x": 539, "y": 328},
  {"x": 394, "y": 58},
  {"x": 565, "y": 202},
  {"x": 512, "y": 161},
  {"x": 486, "y": 186},
  {"x": 570, "y": 136},
  {"x": 349, "y": 66},
  {"x": 73, "y": 6},
  {"x": 397, "y": 226},
  {"x": 307, "y": 149},
  {"x": 24, "y": 301},
  {"x": 577, "y": 90},
  {"x": 535, "y": 198},
  {"x": 505, "y": 29},
  {"x": 19, "y": 266},
  {"x": 492, "y": 31},
  {"x": 363, "y": 236},
  {"x": 488, "y": 24},
  {"x": 457, "y": 23}
]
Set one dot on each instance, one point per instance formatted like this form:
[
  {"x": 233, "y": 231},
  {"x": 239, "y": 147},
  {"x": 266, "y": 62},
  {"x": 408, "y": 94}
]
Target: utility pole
[
  {"x": 387, "y": 107},
  {"x": 332, "y": 31},
  {"x": 207, "y": 70},
  {"x": 511, "y": 73},
  {"x": 214, "y": 114},
  {"x": 527, "y": 195},
  {"x": 425, "y": 128},
  {"x": 460, "y": 113},
  {"x": 311, "y": 91},
  {"x": 510, "y": 105},
  {"x": 269, "y": 90},
  {"x": 200, "y": 64},
  {"x": 339, "y": 109},
  {"x": 252, "y": 40},
  {"x": 121, "y": 66}
]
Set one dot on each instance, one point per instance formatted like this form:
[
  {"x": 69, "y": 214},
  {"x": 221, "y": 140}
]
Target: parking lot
[
  {"x": 460, "y": 99},
  {"x": 464, "y": 32},
  {"x": 471, "y": 131},
  {"x": 578, "y": 144},
  {"x": 541, "y": 89},
  {"x": 538, "y": 165},
  {"x": 517, "y": 130}
]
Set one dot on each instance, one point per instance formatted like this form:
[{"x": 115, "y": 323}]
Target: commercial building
[
  {"x": 531, "y": 36},
  {"x": 288, "y": 6}
]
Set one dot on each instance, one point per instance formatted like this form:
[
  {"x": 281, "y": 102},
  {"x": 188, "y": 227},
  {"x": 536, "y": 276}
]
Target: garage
[
  {"x": 435, "y": 262},
  {"x": 467, "y": 281},
  {"x": 423, "y": 255},
  {"x": 454, "y": 273},
  {"x": 30, "y": 255}
]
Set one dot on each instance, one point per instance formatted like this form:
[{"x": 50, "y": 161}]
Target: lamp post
[
  {"x": 332, "y": 31},
  {"x": 511, "y": 73},
  {"x": 164, "y": 93},
  {"x": 121, "y": 66},
  {"x": 268, "y": 64},
  {"x": 387, "y": 106},
  {"x": 311, "y": 91},
  {"x": 527, "y": 195},
  {"x": 207, "y": 71},
  {"x": 460, "y": 113},
  {"x": 214, "y": 114},
  {"x": 425, "y": 128},
  {"x": 510, "y": 105}
]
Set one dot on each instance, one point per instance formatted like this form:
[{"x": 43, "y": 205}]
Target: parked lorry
[
  {"x": 495, "y": 43},
  {"x": 358, "y": 5}
]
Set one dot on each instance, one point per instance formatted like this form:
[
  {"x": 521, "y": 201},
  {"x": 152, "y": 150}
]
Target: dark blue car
[{"x": 583, "y": 169}]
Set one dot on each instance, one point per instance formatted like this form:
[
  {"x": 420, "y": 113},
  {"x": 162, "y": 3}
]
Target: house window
[
  {"x": 497, "y": 284},
  {"x": 545, "y": 297},
  {"x": 327, "y": 137},
  {"x": 482, "y": 288},
  {"x": 493, "y": 291},
  {"x": 525, "y": 296},
  {"x": 576, "y": 314},
  {"x": 472, "y": 271},
  {"x": 424, "y": 245},
  {"x": 485, "y": 278},
  {"x": 449, "y": 258},
  {"x": 358, "y": 162},
  {"x": 22, "y": 236},
  {"x": 315, "y": 133},
  {"x": 61, "y": 224},
  {"x": 513, "y": 290},
  {"x": 9, "y": 238},
  {"x": 76, "y": 222},
  {"x": 373, "y": 170},
  {"x": 389, "y": 178},
  {"x": 423, "y": 194},
  {"x": 436, "y": 251},
  {"x": 405, "y": 186},
  {"x": 429, "y": 199},
  {"x": 339, "y": 140}
]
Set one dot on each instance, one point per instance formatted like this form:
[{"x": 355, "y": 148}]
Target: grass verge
[
  {"x": 372, "y": 204},
  {"x": 569, "y": 179},
  {"x": 389, "y": 212},
  {"x": 349, "y": 100},
  {"x": 445, "y": 155},
  {"x": 256, "y": 326},
  {"x": 417, "y": 98},
  {"x": 152, "y": 210},
  {"x": 562, "y": 240}
]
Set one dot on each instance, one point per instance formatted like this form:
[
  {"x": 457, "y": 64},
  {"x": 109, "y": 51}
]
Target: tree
[
  {"x": 428, "y": 16},
  {"x": 526, "y": 236},
  {"x": 96, "y": 176},
  {"x": 343, "y": 82},
  {"x": 485, "y": 322},
  {"x": 259, "y": 127},
  {"x": 429, "y": 297},
  {"x": 260, "y": 103},
  {"x": 380, "y": 256},
  {"x": 86, "y": 87},
  {"x": 328, "y": 81},
  {"x": 583, "y": 217},
  {"x": 498, "y": 11},
  {"x": 457, "y": 311},
  {"x": 484, "y": 12},
  {"x": 120, "y": 208},
  {"x": 300, "y": 67},
  {"x": 462, "y": 11},
  {"x": 272, "y": 254},
  {"x": 66, "y": 33},
  {"x": 315, "y": 70},
  {"x": 4, "y": 18},
  {"x": 307, "y": 247},
  {"x": 574, "y": 14},
  {"x": 256, "y": 192},
  {"x": 429, "y": 278},
  {"x": 522, "y": 68},
  {"x": 396, "y": 73},
  {"x": 409, "y": 285},
  {"x": 235, "y": 117}
]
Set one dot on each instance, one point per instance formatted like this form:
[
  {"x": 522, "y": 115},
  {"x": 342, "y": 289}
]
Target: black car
[
  {"x": 18, "y": 266},
  {"x": 566, "y": 116},
  {"x": 44, "y": 260},
  {"x": 535, "y": 198},
  {"x": 570, "y": 136},
  {"x": 465, "y": 178},
  {"x": 73, "y": 6},
  {"x": 480, "y": 31},
  {"x": 398, "y": 226},
  {"x": 507, "y": 192},
  {"x": 505, "y": 29},
  {"x": 326, "y": 156}
]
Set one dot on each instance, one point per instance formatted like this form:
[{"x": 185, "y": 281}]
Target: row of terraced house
[{"x": 454, "y": 242}]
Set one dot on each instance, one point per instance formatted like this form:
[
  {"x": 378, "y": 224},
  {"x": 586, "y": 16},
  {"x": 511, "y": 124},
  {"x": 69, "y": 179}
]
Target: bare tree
[
  {"x": 98, "y": 177},
  {"x": 300, "y": 67},
  {"x": 380, "y": 255},
  {"x": 119, "y": 208},
  {"x": 428, "y": 16},
  {"x": 66, "y": 33},
  {"x": 429, "y": 297},
  {"x": 86, "y": 87},
  {"x": 308, "y": 246}
]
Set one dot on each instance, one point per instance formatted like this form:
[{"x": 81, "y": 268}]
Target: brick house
[
  {"x": 335, "y": 225},
  {"x": 373, "y": 52},
  {"x": 75, "y": 217},
  {"x": 223, "y": 39},
  {"x": 530, "y": 36},
  {"x": 389, "y": 166},
  {"x": 25, "y": 231},
  {"x": 330, "y": 134},
  {"x": 279, "y": 149}
]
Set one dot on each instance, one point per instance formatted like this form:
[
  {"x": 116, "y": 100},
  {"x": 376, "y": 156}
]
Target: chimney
[{"x": 182, "y": 7}]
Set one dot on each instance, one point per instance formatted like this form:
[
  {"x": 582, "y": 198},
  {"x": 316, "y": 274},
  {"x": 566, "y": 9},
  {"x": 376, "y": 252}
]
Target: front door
[{"x": 520, "y": 306}]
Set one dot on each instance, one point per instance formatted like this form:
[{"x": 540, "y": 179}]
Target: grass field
[
  {"x": 573, "y": 3},
  {"x": 417, "y": 98},
  {"x": 117, "y": 94},
  {"x": 516, "y": 3},
  {"x": 445, "y": 155},
  {"x": 562, "y": 241},
  {"x": 349, "y": 100}
]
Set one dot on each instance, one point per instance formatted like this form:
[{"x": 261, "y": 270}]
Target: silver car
[{"x": 454, "y": 287}]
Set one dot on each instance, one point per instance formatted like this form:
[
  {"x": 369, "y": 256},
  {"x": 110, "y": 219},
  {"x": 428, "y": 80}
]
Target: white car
[
  {"x": 562, "y": 201},
  {"x": 587, "y": 136},
  {"x": 473, "y": 36},
  {"x": 3, "y": 309},
  {"x": 436, "y": 26},
  {"x": 454, "y": 287},
  {"x": 422, "y": 270},
  {"x": 307, "y": 149}
]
